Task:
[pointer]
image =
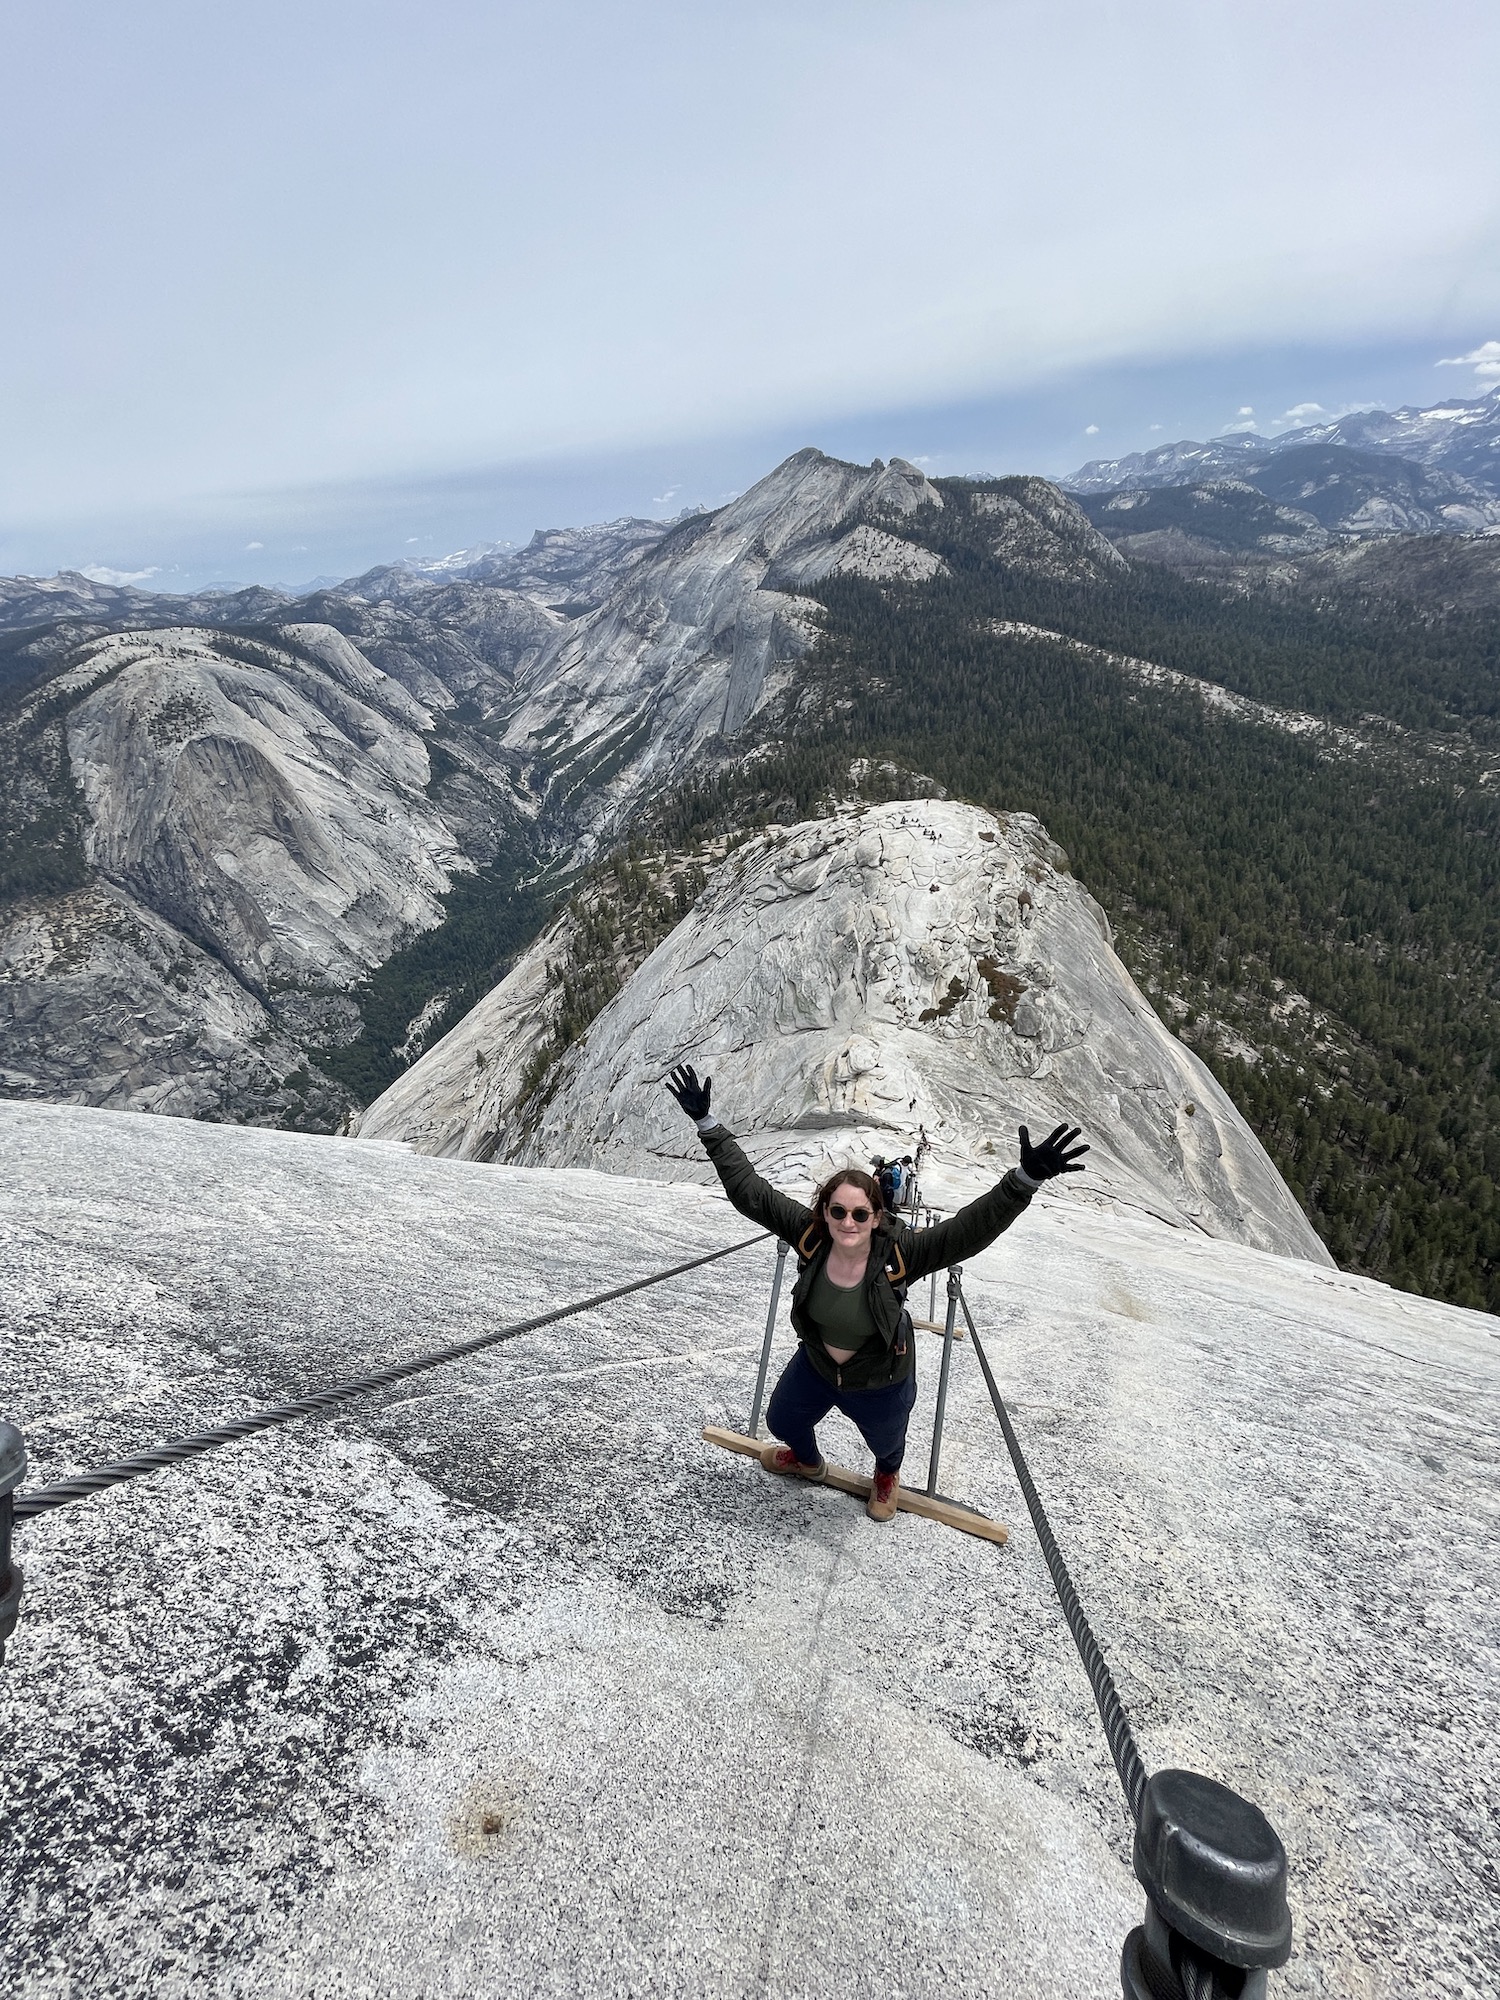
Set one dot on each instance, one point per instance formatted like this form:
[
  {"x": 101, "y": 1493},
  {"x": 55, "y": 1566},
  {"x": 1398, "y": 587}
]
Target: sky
[{"x": 292, "y": 288}]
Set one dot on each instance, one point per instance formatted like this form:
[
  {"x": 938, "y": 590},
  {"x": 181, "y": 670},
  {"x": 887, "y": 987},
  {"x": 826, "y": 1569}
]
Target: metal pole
[
  {"x": 765, "y": 1346},
  {"x": 932, "y": 1295},
  {"x": 12, "y": 1472},
  {"x": 955, "y": 1272}
]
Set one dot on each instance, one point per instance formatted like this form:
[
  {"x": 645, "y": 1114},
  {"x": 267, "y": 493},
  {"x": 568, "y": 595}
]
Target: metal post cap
[
  {"x": 1213, "y": 1865},
  {"x": 12, "y": 1458}
]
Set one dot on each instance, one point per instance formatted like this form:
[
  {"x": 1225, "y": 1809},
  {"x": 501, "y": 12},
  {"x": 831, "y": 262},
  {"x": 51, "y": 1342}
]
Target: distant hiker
[
  {"x": 855, "y": 1347},
  {"x": 908, "y": 1182},
  {"x": 889, "y": 1177}
]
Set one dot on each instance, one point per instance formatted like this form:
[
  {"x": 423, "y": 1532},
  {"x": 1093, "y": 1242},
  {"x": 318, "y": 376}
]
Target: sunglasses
[{"x": 841, "y": 1214}]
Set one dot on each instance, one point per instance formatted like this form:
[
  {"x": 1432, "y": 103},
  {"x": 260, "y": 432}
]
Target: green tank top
[{"x": 842, "y": 1317}]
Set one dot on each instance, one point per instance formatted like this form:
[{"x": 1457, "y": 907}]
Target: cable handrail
[
  {"x": 1122, "y": 1744},
  {"x": 42, "y": 1499},
  {"x": 1212, "y": 1865}
]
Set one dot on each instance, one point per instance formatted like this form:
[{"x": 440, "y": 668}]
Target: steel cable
[
  {"x": 1117, "y": 1729},
  {"x": 43, "y": 1498}
]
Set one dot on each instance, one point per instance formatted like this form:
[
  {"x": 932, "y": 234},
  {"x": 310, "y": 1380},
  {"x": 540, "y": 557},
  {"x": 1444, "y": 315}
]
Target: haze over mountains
[{"x": 262, "y": 852}]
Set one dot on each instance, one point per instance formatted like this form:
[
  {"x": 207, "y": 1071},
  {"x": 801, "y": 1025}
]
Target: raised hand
[
  {"x": 1053, "y": 1156},
  {"x": 692, "y": 1095}
]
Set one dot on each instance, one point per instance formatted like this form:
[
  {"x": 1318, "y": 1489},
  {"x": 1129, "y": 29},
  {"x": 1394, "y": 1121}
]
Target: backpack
[{"x": 890, "y": 1185}]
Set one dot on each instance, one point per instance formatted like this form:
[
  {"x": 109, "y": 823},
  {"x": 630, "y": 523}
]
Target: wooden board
[
  {"x": 939, "y": 1326},
  {"x": 930, "y": 1509}
]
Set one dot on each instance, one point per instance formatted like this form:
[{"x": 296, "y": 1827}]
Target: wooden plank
[
  {"x": 937, "y": 1326},
  {"x": 859, "y": 1483}
]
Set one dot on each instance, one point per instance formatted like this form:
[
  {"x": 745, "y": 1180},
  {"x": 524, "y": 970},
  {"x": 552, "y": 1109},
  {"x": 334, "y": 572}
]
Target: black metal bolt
[
  {"x": 1214, "y": 1872},
  {"x": 12, "y": 1472}
]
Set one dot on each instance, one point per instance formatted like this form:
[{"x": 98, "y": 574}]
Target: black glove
[
  {"x": 692, "y": 1095},
  {"x": 1052, "y": 1157}
]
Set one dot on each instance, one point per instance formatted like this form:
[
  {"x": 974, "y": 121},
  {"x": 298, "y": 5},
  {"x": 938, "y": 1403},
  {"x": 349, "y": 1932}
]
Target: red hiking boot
[
  {"x": 781, "y": 1458},
  {"x": 881, "y": 1504}
]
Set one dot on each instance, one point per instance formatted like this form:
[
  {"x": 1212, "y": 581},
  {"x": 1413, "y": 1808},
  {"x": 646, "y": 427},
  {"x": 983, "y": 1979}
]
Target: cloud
[
  {"x": 97, "y": 573},
  {"x": 254, "y": 545},
  {"x": 1245, "y": 410},
  {"x": 1091, "y": 430},
  {"x": 1156, "y": 427},
  {"x": 1484, "y": 360},
  {"x": 544, "y": 323},
  {"x": 1302, "y": 413}
]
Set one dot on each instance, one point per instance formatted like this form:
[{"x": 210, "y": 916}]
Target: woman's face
[{"x": 848, "y": 1231}]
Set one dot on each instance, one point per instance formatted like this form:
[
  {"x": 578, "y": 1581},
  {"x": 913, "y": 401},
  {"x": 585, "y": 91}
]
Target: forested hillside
[{"x": 1317, "y": 914}]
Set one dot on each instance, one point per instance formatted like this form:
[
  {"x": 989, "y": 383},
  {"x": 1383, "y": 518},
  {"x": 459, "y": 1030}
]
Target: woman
[{"x": 855, "y": 1349}]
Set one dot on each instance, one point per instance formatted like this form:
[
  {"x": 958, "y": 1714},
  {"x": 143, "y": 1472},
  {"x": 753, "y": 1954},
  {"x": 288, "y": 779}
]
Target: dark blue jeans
[{"x": 802, "y": 1399}]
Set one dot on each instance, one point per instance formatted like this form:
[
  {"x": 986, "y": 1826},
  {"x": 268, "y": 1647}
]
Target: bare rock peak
[
  {"x": 703, "y": 630},
  {"x": 850, "y": 981}
]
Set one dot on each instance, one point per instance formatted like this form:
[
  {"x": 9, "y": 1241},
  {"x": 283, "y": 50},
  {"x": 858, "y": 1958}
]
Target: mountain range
[
  {"x": 1254, "y": 510},
  {"x": 261, "y": 853},
  {"x": 1460, "y": 439}
]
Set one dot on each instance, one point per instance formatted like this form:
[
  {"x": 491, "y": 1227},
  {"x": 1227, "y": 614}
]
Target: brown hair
[{"x": 851, "y": 1177}]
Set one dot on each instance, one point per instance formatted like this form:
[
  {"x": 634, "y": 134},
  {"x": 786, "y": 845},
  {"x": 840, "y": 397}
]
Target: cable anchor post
[
  {"x": 765, "y": 1346},
  {"x": 955, "y": 1274},
  {"x": 932, "y": 1292},
  {"x": 1214, "y": 1872},
  {"x": 12, "y": 1472}
]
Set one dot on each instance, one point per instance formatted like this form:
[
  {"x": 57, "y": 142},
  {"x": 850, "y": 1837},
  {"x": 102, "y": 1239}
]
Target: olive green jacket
[{"x": 899, "y": 1255}]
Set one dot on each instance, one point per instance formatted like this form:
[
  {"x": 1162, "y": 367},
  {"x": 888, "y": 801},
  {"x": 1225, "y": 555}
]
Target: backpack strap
[
  {"x": 897, "y": 1275},
  {"x": 807, "y": 1242}
]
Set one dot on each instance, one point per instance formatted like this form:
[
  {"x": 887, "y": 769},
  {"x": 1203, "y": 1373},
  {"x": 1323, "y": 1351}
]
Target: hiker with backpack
[{"x": 855, "y": 1259}]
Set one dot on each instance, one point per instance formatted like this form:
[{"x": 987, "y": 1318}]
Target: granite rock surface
[
  {"x": 104, "y": 1002},
  {"x": 851, "y": 983},
  {"x": 701, "y": 631},
  {"x": 274, "y": 809},
  {"x": 255, "y": 827},
  {"x": 503, "y": 1681}
]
